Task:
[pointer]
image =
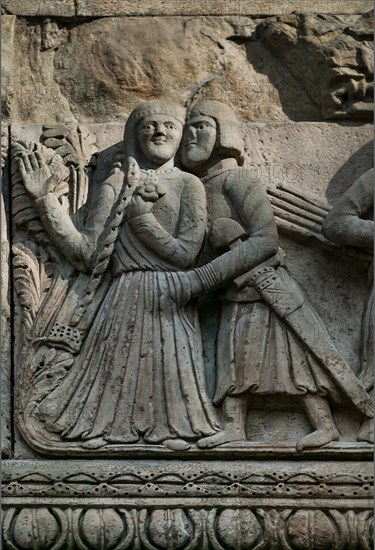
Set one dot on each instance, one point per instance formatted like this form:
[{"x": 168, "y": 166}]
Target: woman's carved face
[
  {"x": 159, "y": 137},
  {"x": 199, "y": 141}
]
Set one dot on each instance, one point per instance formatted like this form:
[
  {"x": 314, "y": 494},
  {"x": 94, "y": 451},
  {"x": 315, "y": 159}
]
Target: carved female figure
[{"x": 139, "y": 374}]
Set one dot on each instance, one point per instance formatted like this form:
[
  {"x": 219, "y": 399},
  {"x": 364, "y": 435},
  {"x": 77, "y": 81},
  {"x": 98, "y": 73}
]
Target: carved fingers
[
  {"x": 144, "y": 197},
  {"x": 150, "y": 191},
  {"x": 39, "y": 178},
  {"x": 34, "y": 173},
  {"x": 139, "y": 206}
]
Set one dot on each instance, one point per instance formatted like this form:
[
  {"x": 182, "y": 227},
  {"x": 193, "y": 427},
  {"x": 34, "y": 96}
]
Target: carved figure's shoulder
[
  {"x": 241, "y": 181},
  {"x": 191, "y": 183}
]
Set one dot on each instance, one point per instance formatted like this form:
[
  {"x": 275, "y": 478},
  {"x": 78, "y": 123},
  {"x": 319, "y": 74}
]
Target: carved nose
[
  {"x": 160, "y": 130},
  {"x": 190, "y": 133}
]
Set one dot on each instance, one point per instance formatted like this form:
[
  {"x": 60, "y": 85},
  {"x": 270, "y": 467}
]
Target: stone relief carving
[
  {"x": 332, "y": 55},
  {"x": 176, "y": 528},
  {"x": 259, "y": 65},
  {"x": 52, "y": 36},
  {"x": 150, "y": 356},
  {"x": 143, "y": 348},
  {"x": 5, "y": 302},
  {"x": 265, "y": 509},
  {"x": 351, "y": 223},
  {"x": 267, "y": 340},
  {"x": 111, "y": 353}
]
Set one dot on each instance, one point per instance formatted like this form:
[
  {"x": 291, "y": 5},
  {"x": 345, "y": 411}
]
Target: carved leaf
[
  {"x": 48, "y": 367},
  {"x": 74, "y": 143},
  {"x": 32, "y": 278},
  {"x": 4, "y": 145},
  {"x": 42, "y": 527}
]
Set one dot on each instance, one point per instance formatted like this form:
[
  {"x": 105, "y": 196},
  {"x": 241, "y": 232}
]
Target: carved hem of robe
[
  {"x": 140, "y": 371},
  {"x": 258, "y": 353}
]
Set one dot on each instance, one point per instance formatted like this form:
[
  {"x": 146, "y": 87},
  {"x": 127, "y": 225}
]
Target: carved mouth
[{"x": 159, "y": 141}]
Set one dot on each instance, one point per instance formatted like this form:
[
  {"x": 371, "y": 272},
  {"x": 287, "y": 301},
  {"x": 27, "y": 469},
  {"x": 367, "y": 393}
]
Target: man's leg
[
  {"x": 318, "y": 411},
  {"x": 234, "y": 419}
]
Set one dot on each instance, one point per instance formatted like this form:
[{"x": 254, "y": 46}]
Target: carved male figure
[
  {"x": 267, "y": 329},
  {"x": 351, "y": 223}
]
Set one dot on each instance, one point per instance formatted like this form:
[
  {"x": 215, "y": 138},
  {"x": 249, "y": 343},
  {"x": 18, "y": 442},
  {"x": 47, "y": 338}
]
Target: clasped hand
[{"x": 144, "y": 198}]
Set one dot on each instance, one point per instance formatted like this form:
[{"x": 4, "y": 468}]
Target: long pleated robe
[{"x": 140, "y": 372}]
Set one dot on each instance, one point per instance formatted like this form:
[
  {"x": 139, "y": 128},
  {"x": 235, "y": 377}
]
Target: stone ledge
[
  {"x": 36, "y": 8},
  {"x": 114, "y": 8},
  {"x": 270, "y": 482},
  {"x": 218, "y": 7},
  {"x": 196, "y": 505}
]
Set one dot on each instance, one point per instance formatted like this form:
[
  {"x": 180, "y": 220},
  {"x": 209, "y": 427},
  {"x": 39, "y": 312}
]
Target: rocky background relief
[{"x": 299, "y": 77}]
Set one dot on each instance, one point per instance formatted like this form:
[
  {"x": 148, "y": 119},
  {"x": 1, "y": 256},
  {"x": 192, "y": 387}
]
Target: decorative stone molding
[
  {"x": 271, "y": 481},
  {"x": 254, "y": 505},
  {"x": 182, "y": 529}
]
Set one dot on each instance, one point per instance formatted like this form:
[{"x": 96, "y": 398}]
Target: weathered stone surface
[
  {"x": 56, "y": 8},
  {"x": 329, "y": 168},
  {"x": 94, "y": 75},
  {"x": 5, "y": 353},
  {"x": 69, "y": 8},
  {"x": 317, "y": 158},
  {"x": 218, "y": 7},
  {"x": 33, "y": 70},
  {"x": 262, "y": 437},
  {"x": 331, "y": 55},
  {"x": 285, "y": 502},
  {"x": 7, "y": 68}
]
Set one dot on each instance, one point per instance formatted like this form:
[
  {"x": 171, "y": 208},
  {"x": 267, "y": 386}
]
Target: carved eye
[
  {"x": 149, "y": 127},
  {"x": 202, "y": 125}
]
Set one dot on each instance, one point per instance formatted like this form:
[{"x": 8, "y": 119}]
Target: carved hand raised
[{"x": 37, "y": 176}]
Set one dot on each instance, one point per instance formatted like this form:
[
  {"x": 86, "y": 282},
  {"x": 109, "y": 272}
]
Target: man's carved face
[
  {"x": 159, "y": 137},
  {"x": 199, "y": 141}
]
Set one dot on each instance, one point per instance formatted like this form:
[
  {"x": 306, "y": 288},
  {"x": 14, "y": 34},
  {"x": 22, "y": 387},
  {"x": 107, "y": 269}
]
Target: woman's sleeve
[
  {"x": 183, "y": 247},
  {"x": 77, "y": 246}
]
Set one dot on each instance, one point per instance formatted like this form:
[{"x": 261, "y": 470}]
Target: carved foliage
[
  {"x": 73, "y": 142},
  {"x": 32, "y": 278},
  {"x": 186, "y": 529},
  {"x": 65, "y": 145}
]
